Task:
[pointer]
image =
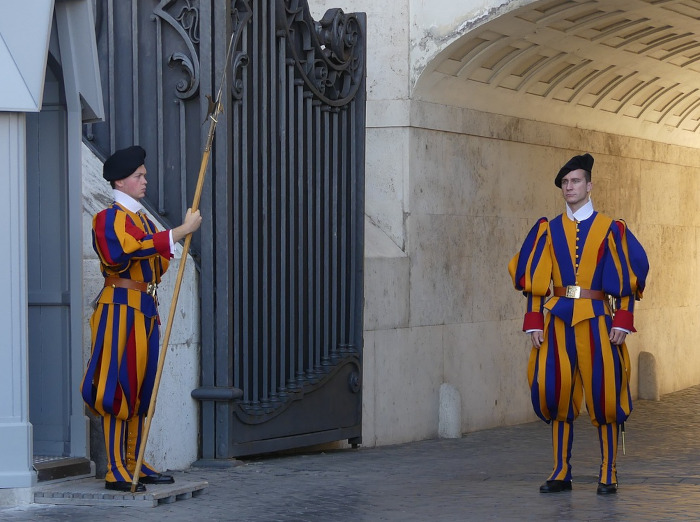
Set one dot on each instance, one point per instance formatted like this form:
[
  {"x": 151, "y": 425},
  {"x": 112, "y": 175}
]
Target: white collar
[
  {"x": 126, "y": 201},
  {"x": 581, "y": 214}
]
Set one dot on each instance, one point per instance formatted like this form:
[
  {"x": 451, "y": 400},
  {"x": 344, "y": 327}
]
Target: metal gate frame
[
  {"x": 281, "y": 248},
  {"x": 295, "y": 249}
]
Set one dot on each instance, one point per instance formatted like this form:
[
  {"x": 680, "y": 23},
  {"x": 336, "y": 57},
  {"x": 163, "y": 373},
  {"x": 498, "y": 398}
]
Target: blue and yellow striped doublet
[{"x": 577, "y": 361}]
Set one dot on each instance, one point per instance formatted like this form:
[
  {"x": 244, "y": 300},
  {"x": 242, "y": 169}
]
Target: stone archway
[
  {"x": 493, "y": 116},
  {"x": 631, "y": 68},
  {"x": 472, "y": 108}
]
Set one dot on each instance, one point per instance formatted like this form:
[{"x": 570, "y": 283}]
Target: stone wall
[{"x": 477, "y": 183}]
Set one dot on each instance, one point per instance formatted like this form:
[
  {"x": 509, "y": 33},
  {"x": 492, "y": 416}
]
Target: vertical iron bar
[
  {"x": 318, "y": 235},
  {"x": 353, "y": 220},
  {"x": 255, "y": 239},
  {"x": 293, "y": 137},
  {"x": 307, "y": 217},
  {"x": 222, "y": 195},
  {"x": 326, "y": 177},
  {"x": 244, "y": 227},
  {"x": 314, "y": 358},
  {"x": 343, "y": 276},
  {"x": 238, "y": 218},
  {"x": 284, "y": 307},
  {"x": 333, "y": 345},
  {"x": 357, "y": 160},
  {"x": 299, "y": 326},
  {"x": 160, "y": 109},
  {"x": 136, "y": 112},
  {"x": 112, "y": 76},
  {"x": 208, "y": 307},
  {"x": 274, "y": 234},
  {"x": 355, "y": 275},
  {"x": 183, "y": 157},
  {"x": 264, "y": 87}
]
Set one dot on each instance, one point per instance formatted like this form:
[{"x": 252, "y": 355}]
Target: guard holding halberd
[{"x": 120, "y": 375}]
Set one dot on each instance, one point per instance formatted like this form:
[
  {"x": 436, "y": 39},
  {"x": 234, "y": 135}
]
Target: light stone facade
[{"x": 454, "y": 185}]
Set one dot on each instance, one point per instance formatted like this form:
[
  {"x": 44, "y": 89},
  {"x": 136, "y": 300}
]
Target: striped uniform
[
  {"x": 576, "y": 359},
  {"x": 120, "y": 374}
]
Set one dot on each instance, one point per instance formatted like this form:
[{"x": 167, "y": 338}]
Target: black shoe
[
  {"x": 555, "y": 486},
  {"x": 606, "y": 489},
  {"x": 157, "y": 479},
  {"x": 120, "y": 485}
]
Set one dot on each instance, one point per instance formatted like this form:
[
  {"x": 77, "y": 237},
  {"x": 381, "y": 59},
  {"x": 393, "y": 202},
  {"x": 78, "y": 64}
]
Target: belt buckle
[
  {"x": 573, "y": 292},
  {"x": 151, "y": 289}
]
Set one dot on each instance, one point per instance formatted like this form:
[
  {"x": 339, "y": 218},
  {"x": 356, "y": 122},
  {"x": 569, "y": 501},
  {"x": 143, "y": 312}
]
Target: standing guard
[
  {"x": 120, "y": 375},
  {"x": 578, "y": 349}
]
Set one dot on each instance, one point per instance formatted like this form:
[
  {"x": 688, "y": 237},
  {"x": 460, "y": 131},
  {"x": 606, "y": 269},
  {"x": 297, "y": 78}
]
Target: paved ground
[{"x": 489, "y": 475}]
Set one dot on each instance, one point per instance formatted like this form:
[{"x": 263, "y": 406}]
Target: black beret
[
  {"x": 584, "y": 162},
  {"x": 123, "y": 163}
]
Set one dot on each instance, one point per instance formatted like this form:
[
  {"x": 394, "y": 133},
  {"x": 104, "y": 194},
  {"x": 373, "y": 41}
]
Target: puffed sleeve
[
  {"x": 117, "y": 240},
  {"x": 625, "y": 271},
  {"x": 531, "y": 272}
]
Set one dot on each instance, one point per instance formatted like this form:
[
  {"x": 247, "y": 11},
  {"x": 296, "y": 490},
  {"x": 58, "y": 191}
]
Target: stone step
[
  {"x": 54, "y": 468},
  {"x": 92, "y": 492}
]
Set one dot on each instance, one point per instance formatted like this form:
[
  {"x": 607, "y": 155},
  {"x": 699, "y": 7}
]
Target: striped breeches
[
  {"x": 579, "y": 360},
  {"x": 573, "y": 363},
  {"x": 121, "y": 371}
]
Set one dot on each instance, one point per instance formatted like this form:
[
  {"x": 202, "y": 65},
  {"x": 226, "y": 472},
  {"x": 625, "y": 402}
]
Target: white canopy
[
  {"x": 25, "y": 33},
  {"x": 25, "y": 28}
]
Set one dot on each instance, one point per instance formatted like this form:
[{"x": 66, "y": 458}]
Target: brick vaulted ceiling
[{"x": 630, "y": 67}]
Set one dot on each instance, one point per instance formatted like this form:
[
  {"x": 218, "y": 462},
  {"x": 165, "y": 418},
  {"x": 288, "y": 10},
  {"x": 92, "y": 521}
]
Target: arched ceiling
[{"x": 629, "y": 67}]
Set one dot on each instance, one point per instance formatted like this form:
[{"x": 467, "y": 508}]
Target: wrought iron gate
[{"x": 281, "y": 250}]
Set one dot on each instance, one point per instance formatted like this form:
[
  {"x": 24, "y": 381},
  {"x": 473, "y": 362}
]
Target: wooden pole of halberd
[{"x": 176, "y": 293}]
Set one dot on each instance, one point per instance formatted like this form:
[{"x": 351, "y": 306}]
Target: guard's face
[
  {"x": 576, "y": 189},
  {"x": 135, "y": 184}
]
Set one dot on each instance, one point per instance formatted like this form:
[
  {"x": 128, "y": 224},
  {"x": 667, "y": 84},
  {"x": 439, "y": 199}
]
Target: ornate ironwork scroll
[
  {"x": 186, "y": 23},
  {"x": 329, "y": 54},
  {"x": 240, "y": 15}
]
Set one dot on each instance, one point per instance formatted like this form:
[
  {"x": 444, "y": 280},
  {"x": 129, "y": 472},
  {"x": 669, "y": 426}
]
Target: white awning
[
  {"x": 25, "y": 28},
  {"x": 25, "y": 32}
]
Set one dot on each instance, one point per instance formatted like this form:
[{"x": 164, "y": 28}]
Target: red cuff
[
  {"x": 624, "y": 319},
  {"x": 161, "y": 241},
  {"x": 533, "y": 321}
]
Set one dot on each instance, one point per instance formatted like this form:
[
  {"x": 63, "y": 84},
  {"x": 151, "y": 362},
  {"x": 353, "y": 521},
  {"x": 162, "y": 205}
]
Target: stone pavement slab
[
  {"x": 92, "y": 492},
  {"x": 488, "y": 475}
]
